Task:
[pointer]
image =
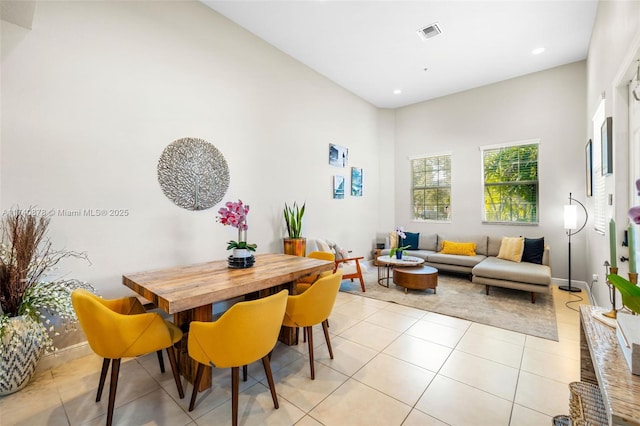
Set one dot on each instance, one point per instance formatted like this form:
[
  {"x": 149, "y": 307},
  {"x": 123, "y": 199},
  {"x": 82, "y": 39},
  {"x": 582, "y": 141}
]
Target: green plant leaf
[
  {"x": 629, "y": 291},
  {"x": 293, "y": 219}
]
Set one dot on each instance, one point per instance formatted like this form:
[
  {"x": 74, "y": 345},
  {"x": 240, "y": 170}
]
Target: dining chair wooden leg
[
  {"x": 235, "y": 390},
  {"x": 309, "y": 332},
  {"x": 174, "y": 368},
  {"x": 113, "y": 387},
  {"x": 297, "y": 334},
  {"x": 244, "y": 373},
  {"x": 103, "y": 376},
  {"x": 196, "y": 385},
  {"x": 325, "y": 328},
  {"x": 272, "y": 386},
  {"x": 160, "y": 361}
]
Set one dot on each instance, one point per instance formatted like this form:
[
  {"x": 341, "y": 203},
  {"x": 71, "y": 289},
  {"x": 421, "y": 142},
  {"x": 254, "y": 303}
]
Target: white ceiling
[{"x": 371, "y": 48}]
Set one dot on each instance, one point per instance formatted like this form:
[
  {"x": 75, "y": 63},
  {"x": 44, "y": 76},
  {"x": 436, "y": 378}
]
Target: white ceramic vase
[{"x": 241, "y": 253}]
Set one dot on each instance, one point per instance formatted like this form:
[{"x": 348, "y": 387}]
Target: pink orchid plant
[
  {"x": 235, "y": 214},
  {"x": 401, "y": 236},
  {"x": 634, "y": 212}
]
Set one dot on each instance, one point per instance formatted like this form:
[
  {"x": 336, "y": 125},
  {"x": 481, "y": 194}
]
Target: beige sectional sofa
[{"x": 485, "y": 267}]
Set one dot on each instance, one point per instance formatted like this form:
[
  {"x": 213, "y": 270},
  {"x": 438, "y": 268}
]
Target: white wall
[
  {"x": 96, "y": 90},
  {"x": 613, "y": 53},
  {"x": 549, "y": 106}
]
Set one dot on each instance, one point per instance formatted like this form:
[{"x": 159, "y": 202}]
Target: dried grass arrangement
[{"x": 26, "y": 257}]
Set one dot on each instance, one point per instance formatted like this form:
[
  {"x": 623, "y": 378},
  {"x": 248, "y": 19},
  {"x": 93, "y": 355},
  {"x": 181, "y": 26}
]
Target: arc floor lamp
[{"x": 571, "y": 223}]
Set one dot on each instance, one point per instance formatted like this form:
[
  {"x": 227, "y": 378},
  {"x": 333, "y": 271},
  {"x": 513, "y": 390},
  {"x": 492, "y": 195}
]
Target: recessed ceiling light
[
  {"x": 537, "y": 50},
  {"x": 397, "y": 92}
]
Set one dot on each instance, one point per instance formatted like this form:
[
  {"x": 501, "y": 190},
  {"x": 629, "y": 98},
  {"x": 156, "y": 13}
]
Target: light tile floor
[{"x": 393, "y": 365}]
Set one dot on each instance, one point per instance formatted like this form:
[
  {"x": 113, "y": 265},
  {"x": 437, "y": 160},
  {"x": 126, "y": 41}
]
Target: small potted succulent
[{"x": 294, "y": 244}]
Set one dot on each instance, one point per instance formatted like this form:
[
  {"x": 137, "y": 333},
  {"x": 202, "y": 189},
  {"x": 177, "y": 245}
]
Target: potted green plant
[
  {"x": 397, "y": 251},
  {"x": 294, "y": 244},
  {"x": 28, "y": 300}
]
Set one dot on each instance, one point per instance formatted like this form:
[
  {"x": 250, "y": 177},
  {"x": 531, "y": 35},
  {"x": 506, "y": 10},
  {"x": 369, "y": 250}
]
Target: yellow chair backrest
[
  {"x": 315, "y": 304},
  {"x": 247, "y": 332},
  {"x": 125, "y": 305},
  {"x": 323, "y": 255},
  {"x": 114, "y": 335}
]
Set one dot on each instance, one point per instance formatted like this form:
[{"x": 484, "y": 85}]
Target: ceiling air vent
[{"x": 429, "y": 31}]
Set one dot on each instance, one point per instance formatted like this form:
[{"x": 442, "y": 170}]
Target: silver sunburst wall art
[{"x": 193, "y": 173}]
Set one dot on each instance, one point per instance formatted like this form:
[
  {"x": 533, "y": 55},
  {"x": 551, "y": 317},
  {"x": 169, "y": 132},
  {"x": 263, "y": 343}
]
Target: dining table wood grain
[{"x": 189, "y": 292}]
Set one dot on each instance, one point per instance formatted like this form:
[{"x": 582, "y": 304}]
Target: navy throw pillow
[
  {"x": 411, "y": 240},
  {"x": 533, "y": 250}
]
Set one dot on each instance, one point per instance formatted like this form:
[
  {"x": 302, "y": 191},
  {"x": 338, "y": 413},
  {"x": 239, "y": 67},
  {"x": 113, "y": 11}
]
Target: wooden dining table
[{"x": 189, "y": 292}]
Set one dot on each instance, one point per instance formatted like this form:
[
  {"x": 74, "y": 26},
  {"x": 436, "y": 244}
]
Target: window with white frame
[
  {"x": 431, "y": 187},
  {"x": 510, "y": 174}
]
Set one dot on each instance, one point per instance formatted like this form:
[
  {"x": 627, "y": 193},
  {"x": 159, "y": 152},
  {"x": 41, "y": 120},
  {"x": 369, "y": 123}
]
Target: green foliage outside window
[
  {"x": 431, "y": 188},
  {"x": 511, "y": 184}
]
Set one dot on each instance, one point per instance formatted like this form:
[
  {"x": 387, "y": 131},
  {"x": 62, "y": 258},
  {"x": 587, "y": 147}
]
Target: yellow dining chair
[
  {"x": 247, "y": 332},
  {"x": 132, "y": 306},
  {"x": 116, "y": 329},
  {"x": 314, "y": 307},
  {"x": 305, "y": 282}
]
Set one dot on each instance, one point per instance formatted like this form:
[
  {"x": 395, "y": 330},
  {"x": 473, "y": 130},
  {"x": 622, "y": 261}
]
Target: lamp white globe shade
[{"x": 570, "y": 216}]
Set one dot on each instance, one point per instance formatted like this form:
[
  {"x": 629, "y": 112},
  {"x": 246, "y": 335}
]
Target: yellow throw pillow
[
  {"x": 463, "y": 249},
  {"x": 511, "y": 249},
  {"x": 393, "y": 239}
]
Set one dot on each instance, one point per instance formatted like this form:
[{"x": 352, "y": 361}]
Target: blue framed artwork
[
  {"x": 338, "y": 187},
  {"x": 338, "y": 155},
  {"x": 356, "y": 181}
]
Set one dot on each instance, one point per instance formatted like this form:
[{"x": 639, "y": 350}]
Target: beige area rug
[{"x": 458, "y": 297}]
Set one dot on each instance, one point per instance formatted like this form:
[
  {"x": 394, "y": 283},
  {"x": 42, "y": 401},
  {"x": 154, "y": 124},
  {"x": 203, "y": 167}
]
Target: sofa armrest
[{"x": 546, "y": 256}]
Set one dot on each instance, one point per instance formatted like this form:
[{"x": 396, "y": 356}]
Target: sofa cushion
[
  {"x": 422, "y": 254},
  {"x": 461, "y": 249},
  {"x": 411, "y": 240},
  {"x": 501, "y": 269},
  {"x": 494, "y": 246},
  {"x": 533, "y": 250},
  {"x": 511, "y": 249},
  {"x": 454, "y": 259},
  {"x": 428, "y": 242}
]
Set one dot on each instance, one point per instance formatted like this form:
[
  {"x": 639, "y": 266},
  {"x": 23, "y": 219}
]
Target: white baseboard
[{"x": 64, "y": 355}]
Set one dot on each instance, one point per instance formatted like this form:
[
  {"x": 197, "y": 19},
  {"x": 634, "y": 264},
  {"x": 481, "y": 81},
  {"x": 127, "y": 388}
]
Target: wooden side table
[{"x": 376, "y": 254}]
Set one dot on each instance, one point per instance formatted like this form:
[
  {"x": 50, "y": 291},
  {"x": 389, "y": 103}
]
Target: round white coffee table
[{"x": 386, "y": 263}]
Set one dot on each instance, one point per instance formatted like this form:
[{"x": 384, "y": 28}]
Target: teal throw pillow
[
  {"x": 411, "y": 240},
  {"x": 533, "y": 250}
]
